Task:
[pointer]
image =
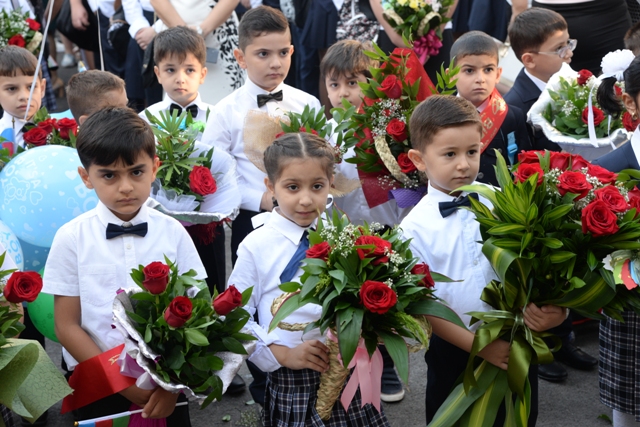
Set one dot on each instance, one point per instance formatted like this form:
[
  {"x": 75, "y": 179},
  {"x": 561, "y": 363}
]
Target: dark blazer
[
  {"x": 320, "y": 24},
  {"x": 619, "y": 159}
]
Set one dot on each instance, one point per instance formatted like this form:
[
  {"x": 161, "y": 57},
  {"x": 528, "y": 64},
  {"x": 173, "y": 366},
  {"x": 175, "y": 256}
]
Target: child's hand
[
  {"x": 543, "y": 318},
  {"x": 161, "y": 404},
  {"x": 136, "y": 395},
  {"x": 496, "y": 353},
  {"x": 308, "y": 355}
]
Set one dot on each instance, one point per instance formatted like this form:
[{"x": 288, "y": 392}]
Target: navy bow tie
[
  {"x": 24, "y": 128},
  {"x": 193, "y": 109},
  {"x": 114, "y": 230},
  {"x": 263, "y": 99},
  {"x": 294, "y": 263},
  {"x": 447, "y": 208}
]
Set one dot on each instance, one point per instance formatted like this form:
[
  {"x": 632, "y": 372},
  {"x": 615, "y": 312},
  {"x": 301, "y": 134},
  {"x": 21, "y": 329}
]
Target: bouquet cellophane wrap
[
  {"x": 219, "y": 206},
  {"x": 581, "y": 146},
  {"x": 140, "y": 351}
]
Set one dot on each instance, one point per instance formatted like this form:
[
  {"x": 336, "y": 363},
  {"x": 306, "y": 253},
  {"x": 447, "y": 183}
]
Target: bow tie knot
[
  {"x": 447, "y": 208},
  {"x": 114, "y": 230},
  {"x": 263, "y": 99},
  {"x": 193, "y": 109}
]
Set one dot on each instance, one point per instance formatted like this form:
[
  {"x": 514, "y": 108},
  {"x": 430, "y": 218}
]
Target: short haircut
[
  {"x": 292, "y": 146},
  {"x": 114, "y": 134},
  {"x": 85, "y": 91},
  {"x": 347, "y": 58},
  {"x": 15, "y": 59},
  {"x": 530, "y": 29},
  {"x": 260, "y": 21},
  {"x": 632, "y": 39},
  {"x": 474, "y": 43},
  {"x": 179, "y": 41},
  {"x": 439, "y": 112}
]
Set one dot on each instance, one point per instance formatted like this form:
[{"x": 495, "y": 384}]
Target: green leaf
[
  {"x": 550, "y": 242},
  {"x": 196, "y": 337},
  {"x": 290, "y": 287},
  {"x": 290, "y": 305},
  {"x": 233, "y": 345},
  {"x": 430, "y": 307},
  {"x": 506, "y": 229},
  {"x": 397, "y": 348},
  {"x": 561, "y": 256},
  {"x": 349, "y": 333}
]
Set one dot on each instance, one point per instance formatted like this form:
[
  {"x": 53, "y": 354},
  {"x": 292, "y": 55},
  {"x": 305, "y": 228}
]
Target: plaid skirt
[
  {"x": 291, "y": 397},
  {"x": 619, "y": 367},
  {"x": 7, "y": 416}
]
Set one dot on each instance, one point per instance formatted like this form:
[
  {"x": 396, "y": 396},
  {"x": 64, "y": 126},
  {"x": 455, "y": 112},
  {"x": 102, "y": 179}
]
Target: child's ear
[
  {"x": 292, "y": 50},
  {"x": 239, "y": 55},
  {"x": 43, "y": 86},
  {"x": 269, "y": 185},
  {"x": 82, "y": 119},
  {"x": 499, "y": 73},
  {"x": 416, "y": 157},
  {"x": 629, "y": 103},
  {"x": 527, "y": 60},
  {"x": 156, "y": 165},
  {"x": 84, "y": 175},
  {"x": 203, "y": 74},
  {"x": 157, "y": 71}
]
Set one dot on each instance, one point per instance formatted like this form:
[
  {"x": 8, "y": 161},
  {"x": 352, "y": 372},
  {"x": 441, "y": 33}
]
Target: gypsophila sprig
[{"x": 17, "y": 29}]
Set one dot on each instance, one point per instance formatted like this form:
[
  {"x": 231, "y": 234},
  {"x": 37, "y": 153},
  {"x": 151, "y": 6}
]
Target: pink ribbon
[{"x": 421, "y": 48}]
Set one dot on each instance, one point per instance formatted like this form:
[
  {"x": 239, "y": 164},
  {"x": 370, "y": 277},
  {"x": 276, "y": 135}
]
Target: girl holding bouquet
[{"x": 299, "y": 176}]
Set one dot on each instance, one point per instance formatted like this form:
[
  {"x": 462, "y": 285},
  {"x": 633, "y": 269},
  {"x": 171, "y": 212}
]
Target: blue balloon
[
  {"x": 11, "y": 245},
  {"x": 35, "y": 257},
  {"x": 40, "y": 190}
]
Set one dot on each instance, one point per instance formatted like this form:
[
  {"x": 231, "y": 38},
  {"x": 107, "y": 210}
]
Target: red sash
[
  {"x": 492, "y": 118},
  {"x": 96, "y": 378}
]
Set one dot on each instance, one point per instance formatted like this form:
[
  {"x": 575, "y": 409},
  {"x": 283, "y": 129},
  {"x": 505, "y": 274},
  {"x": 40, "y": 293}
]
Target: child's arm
[
  {"x": 543, "y": 318},
  {"x": 308, "y": 355}
]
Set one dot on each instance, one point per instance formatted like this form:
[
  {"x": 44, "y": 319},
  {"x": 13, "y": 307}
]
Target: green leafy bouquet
[
  {"x": 178, "y": 330},
  {"x": 546, "y": 237}
]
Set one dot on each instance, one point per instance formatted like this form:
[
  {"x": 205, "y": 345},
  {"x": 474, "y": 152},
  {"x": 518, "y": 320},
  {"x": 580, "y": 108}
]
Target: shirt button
[
  {"x": 475, "y": 262},
  {"x": 480, "y": 175},
  {"x": 128, "y": 246}
]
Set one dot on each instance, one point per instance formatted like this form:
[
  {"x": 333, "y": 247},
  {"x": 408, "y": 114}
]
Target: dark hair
[
  {"x": 607, "y": 98},
  {"x": 259, "y": 21},
  {"x": 14, "y": 59},
  {"x": 85, "y": 91},
  {"x": 530, "y": 29},
  {"x": 347, "y": 58},
  {"x": 179, "y": 41},
  {"x": 474, "y": 43},
  {"x": 632, "y": 39},
  {"x": 114, "y": 134},
  {"x": 439, "y": 112},
  {"x": 301, "y": 145}
]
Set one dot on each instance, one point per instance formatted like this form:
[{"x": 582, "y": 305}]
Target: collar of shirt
[
  {"x": 635, "y": 143},
  {"x": 253, "y": 90},
  {"x": 483, "y": 105},
  {"x": 539, "y": 83},
  {"x": 106, "y": 216},
  {"x": 438, "y": 196},
  {"x": 288, "y": 228},
  {"x": 167, "y": 101}
]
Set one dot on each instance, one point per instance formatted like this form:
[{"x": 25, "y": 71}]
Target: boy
[
  {"x": 265, "y": 52},
  {"x": 17, "y": 68},
  {"x": 87, "y": 266},
  {"x": 503, "y": 126},
  {"x": 540, "y": 40},
  {"x": 446, "y": 137},
  {"x": 105, "y": 89},
  {"x": 342, "y": 68}
]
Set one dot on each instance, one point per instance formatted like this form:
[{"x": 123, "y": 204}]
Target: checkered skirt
[
  {"x": 291, "y": 397},
  {"x": 7, "y": 416},
  {"x": 619, "y": 366}
]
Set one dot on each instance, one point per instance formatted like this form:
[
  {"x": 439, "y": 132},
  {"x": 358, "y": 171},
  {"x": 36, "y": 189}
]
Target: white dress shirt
[
  {"x": 225, "y": 130},
  {"x": 262, "y": 257},
  {"x": 83, "y": 263},
  {"x": 450, "y": 247},
  {"x": 9, "y": 122},
  {"x": 635, "y": 143},
  {"x": 164, "y": 105},
  {"x": 133, "y": 13},
  {"x": 24, "y": 6},
  {"x": 539, "y": 83}
]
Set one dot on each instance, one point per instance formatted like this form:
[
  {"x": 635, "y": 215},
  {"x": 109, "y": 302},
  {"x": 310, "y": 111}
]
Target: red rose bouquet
[
  {"x": 17, "y": 29},
  {"x": 546, "y": 237},
  {"x": 371, "y": 289},
  {"x": 178, "y": 334},
  {"x": 46, "y": 130}
]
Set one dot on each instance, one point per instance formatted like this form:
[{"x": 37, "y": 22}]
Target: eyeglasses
[{"x": 563, "y": 51}]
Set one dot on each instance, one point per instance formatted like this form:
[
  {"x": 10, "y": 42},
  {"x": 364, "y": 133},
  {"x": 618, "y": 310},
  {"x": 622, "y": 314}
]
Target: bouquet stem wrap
[{"x": 331, "y": 381}]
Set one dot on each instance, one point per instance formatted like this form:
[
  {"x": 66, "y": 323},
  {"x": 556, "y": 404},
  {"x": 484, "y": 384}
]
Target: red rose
[
  {"x": 527, "y": 170},
  {"x": 156, "y": 277},
  {"x": 405, "y": 163},
  {"x": 178, "y": 312},
  {"x": 618, "y": 91},
  {"x": 423, "y": 269},
  {"x": 33, "y": 25},
  {"x": 17, "y": 40},
  {"x": 578, "y": 162},
  {"x": 634, "y": 199},
  {"x": 628, "y": 122},
  {"x": 227, "y": 301},
  {"x": 598, "y": 115},
  {"x": 573, "y": 182},
  {"x": 377, "y": 297},
  {"x": 23, "y": 286},
  {"x": 529, "y": 156},
  {"x": 320, "y": 251},
  {"x": 36, "y": 136},
  {"x": 559, "y": 160},
  {"x": 598, "y": 219},
  {"x": 380, "y": 252},
  {"x": 397, "y": 129},
  {"x": 392, "y": 87},
  {"x": 603, "y": 175},
  {"x": 48, "y": 125},
  {"x": 67, "y": 126},
  {"x": 201, "y": 181},
  {"x": 612, "y": 198},
  {"x": 583, "y": 76}
]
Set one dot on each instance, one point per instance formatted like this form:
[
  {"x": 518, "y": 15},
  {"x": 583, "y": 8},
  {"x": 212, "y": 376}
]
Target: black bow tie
[
  {"x": 114, "y": 230},
  {"x": 193, "y": 109},
  {"x": 263, "y": 99},
  {"x": 447, "y": 208},
  {"x": 24, "y": 128}
]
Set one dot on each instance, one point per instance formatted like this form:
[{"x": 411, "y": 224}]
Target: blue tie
[{"x": 294, "y": 264}]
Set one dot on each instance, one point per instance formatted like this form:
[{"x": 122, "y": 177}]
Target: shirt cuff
[
  {"x": 137, "y": 25},
  {"x": 251, "y": 199},
  {"x": 264, "y": 359}
]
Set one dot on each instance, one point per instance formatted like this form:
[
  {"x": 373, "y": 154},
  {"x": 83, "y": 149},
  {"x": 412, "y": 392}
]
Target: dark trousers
[
  {"x": 213, "y": 259},
  {"x": 113, "y": 61},
  {"x": 445, "y": 364},
  {"x": 308, "y": 69}
]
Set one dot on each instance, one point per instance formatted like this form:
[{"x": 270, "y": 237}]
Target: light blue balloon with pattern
[
  {"x": 40, "y": 190},
  {"x": 12, "y": 245},
  {"x": 35, "y": 257}
]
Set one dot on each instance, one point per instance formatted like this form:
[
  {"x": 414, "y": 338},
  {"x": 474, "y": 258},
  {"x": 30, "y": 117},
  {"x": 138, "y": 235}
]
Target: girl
[
  {"x": 299, "y": 176},
  {"x": 619, "y": 343}
]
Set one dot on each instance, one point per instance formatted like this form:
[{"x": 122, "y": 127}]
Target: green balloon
[{"x": 41, "y": 314}]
